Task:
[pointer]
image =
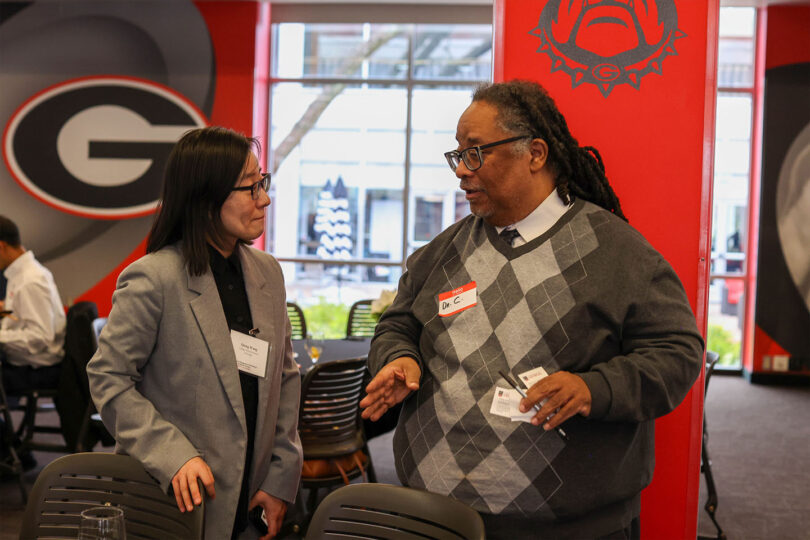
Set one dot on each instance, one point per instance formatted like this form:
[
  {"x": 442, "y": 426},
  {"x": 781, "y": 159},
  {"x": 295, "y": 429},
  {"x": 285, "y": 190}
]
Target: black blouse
[{"x": 232, "y": 294}]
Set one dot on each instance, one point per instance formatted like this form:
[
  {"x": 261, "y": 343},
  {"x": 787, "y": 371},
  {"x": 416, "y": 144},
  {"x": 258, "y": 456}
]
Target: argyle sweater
[{"x": 589, "y": 296}]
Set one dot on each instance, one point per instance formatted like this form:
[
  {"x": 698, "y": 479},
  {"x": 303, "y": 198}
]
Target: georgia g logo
[
  {"x": 97, "y": 146},
  {"x": 608, "y": 42}
]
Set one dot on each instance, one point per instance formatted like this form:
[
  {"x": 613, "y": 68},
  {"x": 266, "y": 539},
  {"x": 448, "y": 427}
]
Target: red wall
[
  {"x": 232, "y": 29},
  {"x": 656, "y": 141}
]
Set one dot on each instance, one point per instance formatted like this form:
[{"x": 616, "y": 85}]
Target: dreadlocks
[{"x": 524, "y": 107}]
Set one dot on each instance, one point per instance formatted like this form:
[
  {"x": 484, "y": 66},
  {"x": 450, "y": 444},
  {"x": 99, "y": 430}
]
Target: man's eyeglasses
[
  {"x": 264, "y": 184},
  {"x": 472, "y": 157}
]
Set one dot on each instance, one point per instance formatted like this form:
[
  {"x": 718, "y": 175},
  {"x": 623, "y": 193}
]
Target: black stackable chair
[
  {"x": 71, "y": 398},
  {"x": 68, "y": 398},
  {"x": 76, "y": 482},
  {"x": 361, "y": 322},
  {"x": 387, "y": 512},
  {"x": 297, "y": 321},
  {"x": 329, "y": 421}
]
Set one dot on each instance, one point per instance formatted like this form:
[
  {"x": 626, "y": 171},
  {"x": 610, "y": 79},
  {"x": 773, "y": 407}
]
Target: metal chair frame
[{"x": 705, "y": 461}]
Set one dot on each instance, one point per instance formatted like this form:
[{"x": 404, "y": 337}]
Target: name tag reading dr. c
[
  {"x": 459, "y": 299},
  {"x": 251, "y": 353}
]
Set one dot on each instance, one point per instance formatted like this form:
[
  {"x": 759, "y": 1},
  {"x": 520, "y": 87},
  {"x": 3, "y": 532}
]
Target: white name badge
[
  {"x": 532, "y": 376},
  {"x": 459, "y": 299},
  {"x": 251, "y": 353},
  {"x": 506, "y": 402}
]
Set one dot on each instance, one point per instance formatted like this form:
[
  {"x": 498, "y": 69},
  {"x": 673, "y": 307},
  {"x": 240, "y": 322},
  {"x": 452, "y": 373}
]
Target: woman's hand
[
  {"x": 274, "y": 510},
  {"x": 184, "y": 483}
]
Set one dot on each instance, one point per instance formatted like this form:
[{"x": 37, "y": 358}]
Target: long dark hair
[
  {"x": 203, "y": 167},
  {"x": 524, "y": 107}
]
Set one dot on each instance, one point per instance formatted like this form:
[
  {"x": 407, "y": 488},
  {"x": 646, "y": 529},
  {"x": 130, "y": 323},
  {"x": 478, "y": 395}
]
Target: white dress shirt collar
[
  {"x": 18, "y": 266},
  {"x": 539, "y": 220}
]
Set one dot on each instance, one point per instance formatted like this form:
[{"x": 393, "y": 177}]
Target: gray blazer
[{"x": 165, "y": 379}]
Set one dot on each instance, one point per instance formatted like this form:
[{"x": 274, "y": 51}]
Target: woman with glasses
[{"x": 194, "y": 374}]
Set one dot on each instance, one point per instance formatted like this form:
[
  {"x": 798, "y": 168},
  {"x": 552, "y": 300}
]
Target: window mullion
[{"x": 406, "y": 192}]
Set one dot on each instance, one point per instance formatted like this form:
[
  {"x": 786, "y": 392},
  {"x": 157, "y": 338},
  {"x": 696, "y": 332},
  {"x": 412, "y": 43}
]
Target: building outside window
[
  {"x": 732, "y": 179},
  {"x": 360, "y": 116}
]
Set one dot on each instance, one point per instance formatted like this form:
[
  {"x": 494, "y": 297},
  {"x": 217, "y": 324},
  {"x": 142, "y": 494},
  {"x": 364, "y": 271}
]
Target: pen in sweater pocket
[{"x": 563, "y": 435}]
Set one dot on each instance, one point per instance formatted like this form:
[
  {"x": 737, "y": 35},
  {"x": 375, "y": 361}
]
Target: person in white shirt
[{"x": 32, "y": 330}]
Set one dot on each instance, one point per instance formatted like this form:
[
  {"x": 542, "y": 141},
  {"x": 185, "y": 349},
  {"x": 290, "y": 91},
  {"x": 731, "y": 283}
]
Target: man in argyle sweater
[{"x": 545, "y": 273}]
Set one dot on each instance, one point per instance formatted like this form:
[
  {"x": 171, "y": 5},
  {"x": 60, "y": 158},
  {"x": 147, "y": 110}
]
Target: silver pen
[{"x": 563, "y": 435}]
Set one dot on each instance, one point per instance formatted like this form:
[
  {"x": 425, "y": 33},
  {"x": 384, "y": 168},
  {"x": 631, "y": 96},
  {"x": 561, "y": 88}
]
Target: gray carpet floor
[{"x": 759, "y": 442}]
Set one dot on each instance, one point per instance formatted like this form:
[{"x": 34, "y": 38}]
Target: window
[
  {"x": 360, "y": 116},
  {"x": 732, "y": 178}
]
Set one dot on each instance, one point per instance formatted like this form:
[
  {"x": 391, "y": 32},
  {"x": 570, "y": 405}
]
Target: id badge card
[{"x": 251, "y": 353}]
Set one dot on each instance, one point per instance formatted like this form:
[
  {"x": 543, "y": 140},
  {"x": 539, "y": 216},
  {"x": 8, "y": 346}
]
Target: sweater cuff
[
  {"x": 410, "y": 354},
  {"x": 600, "y": 393}
]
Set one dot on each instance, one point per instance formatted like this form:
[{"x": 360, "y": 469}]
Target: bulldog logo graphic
[{"x": 608, "y": 42}]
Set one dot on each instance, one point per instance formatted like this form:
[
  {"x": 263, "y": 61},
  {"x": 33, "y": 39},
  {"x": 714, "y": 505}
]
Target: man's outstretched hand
[{"x": 391, "y": 385}]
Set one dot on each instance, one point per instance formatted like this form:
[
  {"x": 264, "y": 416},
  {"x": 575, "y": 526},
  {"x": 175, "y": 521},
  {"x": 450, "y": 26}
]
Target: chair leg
[
  {"x": 711, "y": 499},
  {"x": 13, "y": 466},
  {"x": 370, "y": 474},
  {"x": 26, "y": 429},
  {"x": 312, "y": 501},
  {"x": 11, "y": 463},
  {"x": 305, "y": 510},
  {"x": 83, "y": 430}
]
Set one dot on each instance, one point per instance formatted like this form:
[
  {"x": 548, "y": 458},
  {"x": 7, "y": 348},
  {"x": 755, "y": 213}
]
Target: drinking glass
[
  {"x": 102, "y": 523},
  {"x": 314, "y": 348}
]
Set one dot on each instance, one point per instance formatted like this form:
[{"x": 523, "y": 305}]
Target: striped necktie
[{"x": 509, "y": 235}]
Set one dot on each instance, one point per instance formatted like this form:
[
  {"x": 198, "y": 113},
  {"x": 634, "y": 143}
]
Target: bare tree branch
[
  {"x": 329, "y": 92},
  {"x": 424, "y": 48}
]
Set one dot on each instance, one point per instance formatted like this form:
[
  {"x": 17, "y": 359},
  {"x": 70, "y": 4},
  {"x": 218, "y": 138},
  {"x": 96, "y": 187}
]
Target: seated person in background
[{"x": 32, "y": 330}]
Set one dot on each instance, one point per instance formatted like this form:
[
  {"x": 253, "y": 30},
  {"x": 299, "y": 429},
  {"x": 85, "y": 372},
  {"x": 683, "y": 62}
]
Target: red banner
[{"x": 641, "y": 89}]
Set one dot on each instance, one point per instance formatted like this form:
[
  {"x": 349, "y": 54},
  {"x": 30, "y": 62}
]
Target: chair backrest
[
  {"x": 76, "y": 482},
  {"x": 80, "y": 337},
  {"x": 329, "y": 419},
  {"x": 395, "y": 513},
  {"x": 73, "y": 395},
  {"x": 297, "y": 320},
  {"x": 361, "y": 323}
]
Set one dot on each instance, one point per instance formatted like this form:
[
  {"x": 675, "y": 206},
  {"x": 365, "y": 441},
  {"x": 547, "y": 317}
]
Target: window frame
[
  {"x": 748, "y": 274},
  {"x": 403, "y": 14}
]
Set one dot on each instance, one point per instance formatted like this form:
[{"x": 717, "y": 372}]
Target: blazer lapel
[
  {"x": 261, "y": 302},
  {"x": 207, "y": 309}
]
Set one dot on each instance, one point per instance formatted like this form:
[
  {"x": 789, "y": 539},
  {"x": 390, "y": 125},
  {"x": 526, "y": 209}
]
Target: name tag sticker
[
  {"x": 251, "y": 353},
  {"x": 459, "y": 299}
]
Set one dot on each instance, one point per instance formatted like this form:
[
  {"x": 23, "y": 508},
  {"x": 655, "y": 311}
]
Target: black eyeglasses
[
  {"x": 472, "y": 157},
  {"x": 264, "y": 183}
]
